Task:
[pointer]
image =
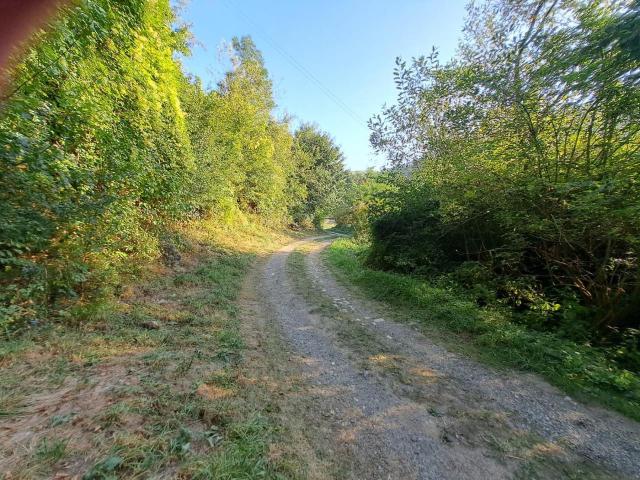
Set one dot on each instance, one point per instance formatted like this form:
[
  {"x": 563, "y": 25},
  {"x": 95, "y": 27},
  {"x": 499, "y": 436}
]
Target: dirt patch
[
  {"x": 213, "y": 392},
  {"x": 66, "y": 414}
]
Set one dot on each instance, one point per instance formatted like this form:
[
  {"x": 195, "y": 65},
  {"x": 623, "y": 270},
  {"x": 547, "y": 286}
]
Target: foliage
[
  {"x": 522, "y": 154},
  {"x": 321, "y": 175},
  {"x": 244, "y": 155},
  {"x": 363, "y": 194},
  {"x": 106, "y": 145},
  {"x": 95, "y": 152},
  {"x": 248, "y": 160}
]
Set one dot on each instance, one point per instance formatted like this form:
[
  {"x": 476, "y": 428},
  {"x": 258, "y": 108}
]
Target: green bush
[
  {"x": 521, "y": 155},
  {"x": 95, "y": 154}
]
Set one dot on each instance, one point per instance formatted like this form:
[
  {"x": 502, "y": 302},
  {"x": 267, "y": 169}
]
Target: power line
[{"x": 298, "y": 66}]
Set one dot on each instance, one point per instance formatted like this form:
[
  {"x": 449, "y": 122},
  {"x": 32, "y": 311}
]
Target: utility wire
[{"x": 298, "y": 66}]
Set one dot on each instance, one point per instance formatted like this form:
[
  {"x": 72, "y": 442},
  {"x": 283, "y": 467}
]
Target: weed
[
  {"x": 113, "y": 415},
  {"x": 58, "y": 420},
  {"x": 181, "y": 445},
  {"x": 105, "y": 469},
  {"x": 51, "y": 451}
]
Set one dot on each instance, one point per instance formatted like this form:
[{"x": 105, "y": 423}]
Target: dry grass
[{"x": 110, "y": 397}]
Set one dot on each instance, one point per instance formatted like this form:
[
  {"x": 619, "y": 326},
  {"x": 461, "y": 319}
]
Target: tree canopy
[
  {"x": 515, "y": 165},
  {"x": 107, "y": 143}
]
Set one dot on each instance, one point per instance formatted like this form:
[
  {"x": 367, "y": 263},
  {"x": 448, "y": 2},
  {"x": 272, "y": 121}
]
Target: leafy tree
[
  {"x": 244, "y": 154},
  {"x": 523, "y": 154},
  {"x": 321, "y": 172},
  {"x": 363, "y": 195}
]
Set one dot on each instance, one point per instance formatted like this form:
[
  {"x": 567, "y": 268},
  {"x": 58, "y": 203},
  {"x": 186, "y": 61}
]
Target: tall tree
[
  {"x": 524, "y": 151},
  {"x": 322, "y": 173}
]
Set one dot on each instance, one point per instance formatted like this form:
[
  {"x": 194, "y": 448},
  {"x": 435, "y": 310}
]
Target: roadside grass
[
  {"x": 488, "y": 334},
  {"x": 340, "y": 230},
  {"x": 153, "y": 386}
]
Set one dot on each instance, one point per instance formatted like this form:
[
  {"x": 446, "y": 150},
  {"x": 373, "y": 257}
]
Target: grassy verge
[
  {"x": 580, "y": 370},
  {"x": 151, "y": 387}
]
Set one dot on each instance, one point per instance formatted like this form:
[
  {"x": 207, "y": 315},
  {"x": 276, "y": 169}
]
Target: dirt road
[{"x": 370, "y": 398}]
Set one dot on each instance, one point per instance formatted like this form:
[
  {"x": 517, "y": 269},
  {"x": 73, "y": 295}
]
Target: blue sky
[{"x": 331, "y": 61}]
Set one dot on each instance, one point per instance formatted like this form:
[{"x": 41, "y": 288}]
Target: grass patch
[
  {"x": 153, "y": 386},
  {"x": 578, "y": 369},
  {"x": 51, "y": 451}
]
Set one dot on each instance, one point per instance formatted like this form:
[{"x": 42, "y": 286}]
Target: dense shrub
[
  {"x": 521, "y": 156},
  {"x": 95, "y": 152}
]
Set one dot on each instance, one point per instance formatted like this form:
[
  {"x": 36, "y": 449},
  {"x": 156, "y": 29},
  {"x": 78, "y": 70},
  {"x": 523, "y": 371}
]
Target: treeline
[
  {"x": 514, "y": 168},
  {"x": 106, "y": 144}
]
